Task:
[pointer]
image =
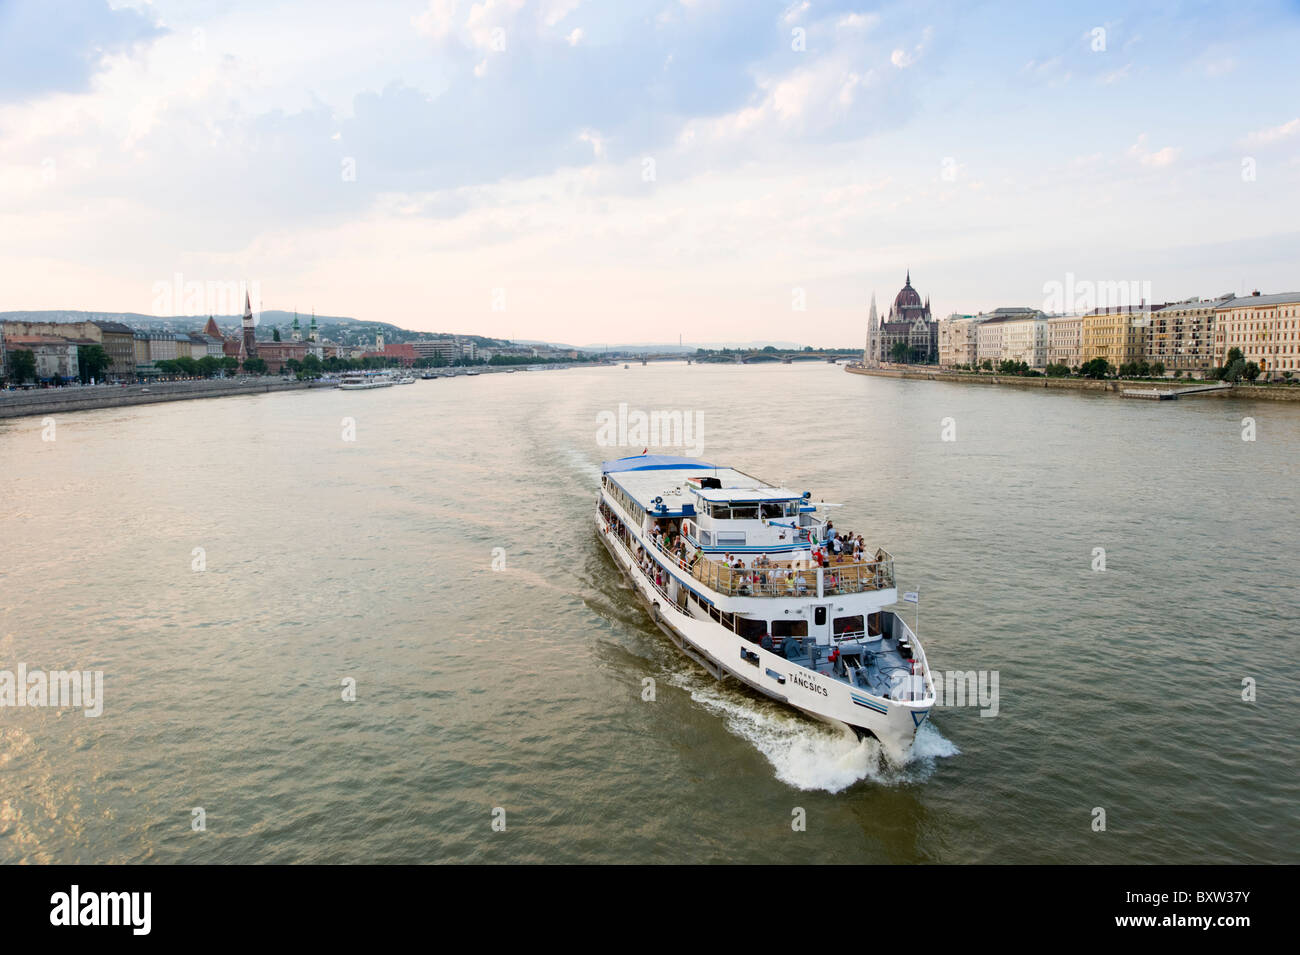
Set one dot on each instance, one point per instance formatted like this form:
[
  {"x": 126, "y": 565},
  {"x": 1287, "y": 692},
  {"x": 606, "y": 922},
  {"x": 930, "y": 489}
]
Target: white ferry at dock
[
  {"x": 816, "y": 638},
  {"x": 364, "y": 381}
]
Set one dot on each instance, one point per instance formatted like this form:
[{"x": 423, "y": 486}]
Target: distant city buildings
[{"x": 1189, "y": 337}]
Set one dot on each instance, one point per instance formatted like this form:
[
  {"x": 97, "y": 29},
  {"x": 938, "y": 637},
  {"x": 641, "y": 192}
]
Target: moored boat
[
  {"x": 737, "y": 572},
  {"x": 364, "y": 381}
]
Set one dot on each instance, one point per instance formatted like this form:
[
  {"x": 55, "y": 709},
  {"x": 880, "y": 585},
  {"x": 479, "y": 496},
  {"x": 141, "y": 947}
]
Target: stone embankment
[
  {"x": 1250, "y": 392},
  {"x": 44, "y": 401}
]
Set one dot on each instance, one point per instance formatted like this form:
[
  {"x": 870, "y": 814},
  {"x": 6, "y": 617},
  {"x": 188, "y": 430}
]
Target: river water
[{"x": 228, "y": 564}]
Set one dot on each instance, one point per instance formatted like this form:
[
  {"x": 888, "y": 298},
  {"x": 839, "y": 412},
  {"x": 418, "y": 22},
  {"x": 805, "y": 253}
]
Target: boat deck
[{"x": 870, "y": 667}]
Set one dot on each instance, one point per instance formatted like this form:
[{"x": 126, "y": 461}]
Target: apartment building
[{"x": 1265, "y": 327}]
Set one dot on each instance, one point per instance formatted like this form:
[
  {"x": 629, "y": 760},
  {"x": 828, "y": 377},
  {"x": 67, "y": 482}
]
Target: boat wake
[{"x": 809, "y": 755}]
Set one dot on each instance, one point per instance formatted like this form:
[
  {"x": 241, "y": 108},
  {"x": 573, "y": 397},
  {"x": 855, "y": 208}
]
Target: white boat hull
[{"x": 893, "y": 722}]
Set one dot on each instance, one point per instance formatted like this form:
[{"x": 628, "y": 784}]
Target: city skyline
[{"x": 564, "y": 170}]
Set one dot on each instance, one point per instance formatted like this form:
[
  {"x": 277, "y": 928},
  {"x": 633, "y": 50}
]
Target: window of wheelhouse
[
  {"x": 751, "y": 629},
  {"x": 789, "y": 628},
  {"x": 744, "y": 512}
]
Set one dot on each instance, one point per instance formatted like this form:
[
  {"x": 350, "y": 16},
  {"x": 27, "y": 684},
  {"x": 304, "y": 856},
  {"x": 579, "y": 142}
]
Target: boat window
[
  {"x": 789, "y": 628},
  {"x": 731, "y": 538},
  {"x": 751, "y": 629},
  {"x": 706, "y": 538},
  {"x": 791, "y": 508},
  {"x": 744, "y": 512},
  {"x": 769, "y": 511},
  {"x": 848, "y": 624},
  {"x": 720, "y": 512}
]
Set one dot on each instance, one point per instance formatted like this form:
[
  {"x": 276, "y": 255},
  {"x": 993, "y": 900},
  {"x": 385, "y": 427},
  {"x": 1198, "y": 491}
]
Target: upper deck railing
[{"x": 790, "y": 578}]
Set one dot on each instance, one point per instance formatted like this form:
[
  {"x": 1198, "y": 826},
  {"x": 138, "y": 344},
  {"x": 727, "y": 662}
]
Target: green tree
[
  {"x": 254, "y": 366},
  {"x": 1095, "y": 368},
  {"x": 230, "y": 364},
  {"x": 899, "y": 352},
  {"x": 1251, "y": 371},
  {"x": 22, "y": 365},
  {"x": 209, "y": 366},
  {"x": 187, "y": 366},
  {"x": 275, "y": 334},
  {"x": 1057, "y": 370},
  {"x": 1158, "y": 369},
  {"x": 92, "y": 362}
]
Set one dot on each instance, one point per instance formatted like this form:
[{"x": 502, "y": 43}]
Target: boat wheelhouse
[{"x": 736, "y": 572}]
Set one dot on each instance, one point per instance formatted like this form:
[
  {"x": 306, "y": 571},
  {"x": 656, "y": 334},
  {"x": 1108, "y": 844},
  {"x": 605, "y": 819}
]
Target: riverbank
[
  {"x": 44, "y": 401},
  {"x": 1113, "y": 387}
]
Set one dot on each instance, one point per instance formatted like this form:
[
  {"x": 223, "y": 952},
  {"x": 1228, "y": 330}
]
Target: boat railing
[{"x": 794, "y": 578}]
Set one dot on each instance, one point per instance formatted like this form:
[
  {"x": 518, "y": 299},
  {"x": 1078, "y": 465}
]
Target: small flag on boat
[{"x": 912, "y": 597}]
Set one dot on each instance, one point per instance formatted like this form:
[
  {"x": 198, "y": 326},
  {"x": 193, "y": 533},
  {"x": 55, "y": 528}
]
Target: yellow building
[
  {"x": 1117, "y": 334},
  {"x": 1265, "y": 327}
]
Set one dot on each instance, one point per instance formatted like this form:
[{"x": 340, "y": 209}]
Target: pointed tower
[
  {"x": 379, "y": 340},
  {"x": 311, "y": 332},
  {"x": 250, "y": 343},
  {"x": 296, "y": 334},
  {"x": 871, "y": 356}
]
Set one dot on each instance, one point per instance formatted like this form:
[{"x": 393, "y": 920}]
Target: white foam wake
[{"x": 809, "y": 755}]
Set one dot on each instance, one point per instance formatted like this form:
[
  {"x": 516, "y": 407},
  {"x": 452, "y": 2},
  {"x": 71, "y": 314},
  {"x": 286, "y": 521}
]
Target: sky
[{"x": 585, "y": 172}]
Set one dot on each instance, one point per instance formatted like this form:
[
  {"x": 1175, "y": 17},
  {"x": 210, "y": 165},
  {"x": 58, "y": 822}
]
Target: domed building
[{"x": 909, "y": 322}]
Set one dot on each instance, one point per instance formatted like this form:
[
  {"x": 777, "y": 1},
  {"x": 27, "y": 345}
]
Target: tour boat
[
  {"x": 406, "y": 380},
  {"x": 744, "y": 589},
  {"x": 359, "y": 381}
]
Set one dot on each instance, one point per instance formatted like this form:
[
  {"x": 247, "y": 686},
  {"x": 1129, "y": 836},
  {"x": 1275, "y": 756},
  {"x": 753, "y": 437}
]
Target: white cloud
[
  {"x": 1267, "y": 137},
  {"x": 437, "y": 20},
  {"x": 903, "y": 58},
  {"x": 1157, "y": 159},
  {"x": 574, "y": 38},
  {"x": 858, "y": 21},
  {"x": 795, "y": 11}
]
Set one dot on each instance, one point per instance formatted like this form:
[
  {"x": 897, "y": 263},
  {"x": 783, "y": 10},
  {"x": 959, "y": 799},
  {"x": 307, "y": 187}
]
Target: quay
[
  {"x": 43, "y": 401},
  {"x": 1113, "y": 387}
]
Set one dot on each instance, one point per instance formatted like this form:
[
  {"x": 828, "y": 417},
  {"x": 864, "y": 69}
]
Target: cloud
[
  {"x": 1274, "y": 134},
  {"x": 574, "y": 38},
  {"x": 1158, "y": 159},
  {"x": 438, "y": 19},
  {"x": 904, "y": 58},
  {"x": 48, "y": 47}
]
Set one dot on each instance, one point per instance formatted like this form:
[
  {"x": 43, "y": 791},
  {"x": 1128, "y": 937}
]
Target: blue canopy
[{"x": 653, "y": 462}]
